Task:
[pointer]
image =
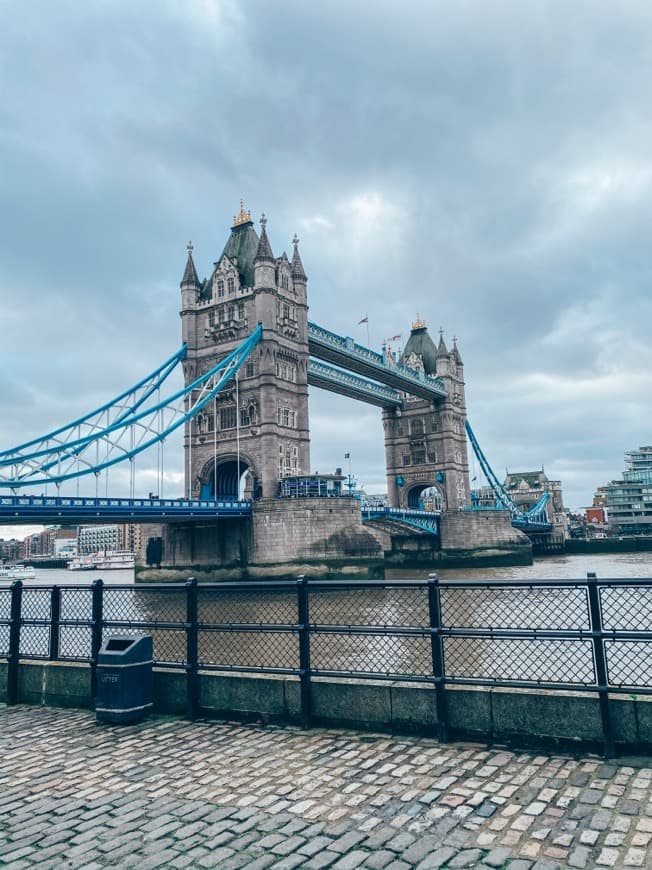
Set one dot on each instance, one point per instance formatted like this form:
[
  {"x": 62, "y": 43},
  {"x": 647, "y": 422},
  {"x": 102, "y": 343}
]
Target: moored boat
[
  {"x": 109, "y": 561},
  {"x": 17, "y": 572}
]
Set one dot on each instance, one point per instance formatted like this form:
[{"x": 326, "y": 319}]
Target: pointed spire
[
  {"x": 441, "y": 347},
  {"x": 298, "y": 271},
  {"x": 456, "y": 353},
  {"x": 264, "y": 250},
  {"x": 190, "y": 278}
]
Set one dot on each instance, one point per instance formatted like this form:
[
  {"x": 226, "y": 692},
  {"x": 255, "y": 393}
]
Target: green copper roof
[
  {"x": 242, "y": 245},
  {"x": 422, "y": 345}
]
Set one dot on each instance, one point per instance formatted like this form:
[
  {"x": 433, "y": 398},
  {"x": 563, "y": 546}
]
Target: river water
[{"x": 555, "y": 567}]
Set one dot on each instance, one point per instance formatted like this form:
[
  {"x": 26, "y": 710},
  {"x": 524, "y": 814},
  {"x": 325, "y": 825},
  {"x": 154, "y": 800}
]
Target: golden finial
[
  {"x": 243, "y": 218},
  {"x": 418, "y": 323}
]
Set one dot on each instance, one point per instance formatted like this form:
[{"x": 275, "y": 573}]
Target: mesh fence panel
[
  {"x": 389, "y": 655},
  {"x": 144, "y": 605},
  {"x": 626, "y": 608},
  {"x": 557, "y": 609},
  {"x": 390, "y": 606},
  {"x": 544, "y": 661},
  {"x": 5, "y": 603},
  {"x": 249, "y": 649},
  {"x": 271, "y": 607},
  {"x": 4, "y": 640},
  {"x": 629, "y": 663},
  {"x": 35, "y": 640},
  {"x": 76, "y": 603},
  {"x": 35, "y": 604},
  {"x": 75, "y": 642}
]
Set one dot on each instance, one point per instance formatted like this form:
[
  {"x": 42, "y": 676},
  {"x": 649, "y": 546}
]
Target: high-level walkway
[{"x": 169, "y": 793}]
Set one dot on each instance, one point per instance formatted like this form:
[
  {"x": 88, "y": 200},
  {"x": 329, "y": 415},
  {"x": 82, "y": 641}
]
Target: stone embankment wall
[{"x": 565, "y": 720}]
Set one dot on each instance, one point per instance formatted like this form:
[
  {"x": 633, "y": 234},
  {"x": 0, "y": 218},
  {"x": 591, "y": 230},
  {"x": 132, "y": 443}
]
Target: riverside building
[{"x": 629, "y": 501}]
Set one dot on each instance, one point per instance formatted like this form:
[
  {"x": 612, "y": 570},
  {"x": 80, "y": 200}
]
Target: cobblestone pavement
[{"x": 169, "y": 793}]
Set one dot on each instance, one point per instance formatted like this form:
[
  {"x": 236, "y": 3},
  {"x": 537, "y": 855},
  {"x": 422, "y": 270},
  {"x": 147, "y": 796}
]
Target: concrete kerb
[{"x": 568, "y": 721}]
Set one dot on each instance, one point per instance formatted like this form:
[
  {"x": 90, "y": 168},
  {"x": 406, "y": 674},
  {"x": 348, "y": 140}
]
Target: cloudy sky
[{"x": 483, "y": 164}]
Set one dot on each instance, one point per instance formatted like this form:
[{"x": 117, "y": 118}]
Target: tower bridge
[{"x": 248, "y": 356}]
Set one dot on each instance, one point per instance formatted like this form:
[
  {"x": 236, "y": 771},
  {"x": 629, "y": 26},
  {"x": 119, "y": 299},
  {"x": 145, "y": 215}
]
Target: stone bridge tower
[
  {"x": 257, "y": 430},
  {"x": 425, "y": 442}
]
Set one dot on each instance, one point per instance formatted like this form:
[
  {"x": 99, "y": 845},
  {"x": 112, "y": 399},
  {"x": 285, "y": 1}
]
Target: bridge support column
[{"x": 483, "y": 536}]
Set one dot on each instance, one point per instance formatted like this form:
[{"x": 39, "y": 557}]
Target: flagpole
[{"x": 368, "y": 339}]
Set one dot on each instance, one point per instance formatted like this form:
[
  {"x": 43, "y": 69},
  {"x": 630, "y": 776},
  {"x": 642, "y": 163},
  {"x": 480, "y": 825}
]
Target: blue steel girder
[
  {"x": 344, "y": 383},
  {"x": 21, "y": 509},
  {"x": 426, "y": 521},
  {"x": 110, "y": 413},
  {"x": 536, "y": 517},
  {"x": 347, "y": 354},
  {"x": 62, "y": 458}
]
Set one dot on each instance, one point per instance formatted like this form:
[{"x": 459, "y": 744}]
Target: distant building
[
  {"x": 108, "y": 538},
  {"x": 40, "y": 544},
  {"x": 629, "y": 501},
  {"x": 11, "y": 550},
  {"x": 526, "y": 488},
  {"x": 596, "y": 515}
]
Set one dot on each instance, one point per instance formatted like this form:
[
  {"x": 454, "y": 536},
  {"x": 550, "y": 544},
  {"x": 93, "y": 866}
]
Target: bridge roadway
[
  {"x": 343, "y": 383},
  {"x": 20, "y": 509},
  {"x": 346, "y": 353}
]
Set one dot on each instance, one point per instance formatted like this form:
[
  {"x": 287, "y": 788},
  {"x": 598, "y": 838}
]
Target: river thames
[{"x": 557, "y": 567}]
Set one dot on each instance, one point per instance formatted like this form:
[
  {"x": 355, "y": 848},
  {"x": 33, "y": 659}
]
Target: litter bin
[{"x": 124, "y": 679}]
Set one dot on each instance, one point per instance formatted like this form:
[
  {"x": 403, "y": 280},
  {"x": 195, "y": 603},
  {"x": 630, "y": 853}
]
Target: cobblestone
[{"x": 169, "y": 793}]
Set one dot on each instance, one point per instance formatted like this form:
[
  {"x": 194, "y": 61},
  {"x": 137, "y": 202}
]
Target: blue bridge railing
[
  {"x": 330, "y": 347},
  {"x": 34, "y": 508},
  {"x": 426, "y": 521}
]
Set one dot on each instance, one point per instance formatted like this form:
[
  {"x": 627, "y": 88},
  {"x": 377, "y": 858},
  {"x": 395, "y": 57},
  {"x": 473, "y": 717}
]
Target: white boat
[
  {"x": 111, "y": 560},
  {"x": 17, "y": 572}
]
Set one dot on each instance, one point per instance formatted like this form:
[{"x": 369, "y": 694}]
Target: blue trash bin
[{"x": 124, "y": 679}]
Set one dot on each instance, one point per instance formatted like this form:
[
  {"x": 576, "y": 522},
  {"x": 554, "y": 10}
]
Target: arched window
[{"x": 231, "y": 285}]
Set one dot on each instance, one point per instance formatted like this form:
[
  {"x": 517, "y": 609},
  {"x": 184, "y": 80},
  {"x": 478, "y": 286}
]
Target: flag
[
  {"x": 394, "y": 337},
  {"x": 365, "y": 319},
  {"x": 347, "y": 455}
]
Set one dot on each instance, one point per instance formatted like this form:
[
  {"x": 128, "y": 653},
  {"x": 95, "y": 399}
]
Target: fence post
[
  {"x": 192, "y": 667},
  {"x": 437, "y": 649},
  {"x": 97, "y": 618},
  {"x": 595, "y": 611},
  {"x": 55, "y": 616},
  {"x": 304, "y": 651},
  {"x": 14, "y": 641}
]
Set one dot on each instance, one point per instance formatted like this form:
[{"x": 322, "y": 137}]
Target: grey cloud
[{"x": 484, "y": 165}]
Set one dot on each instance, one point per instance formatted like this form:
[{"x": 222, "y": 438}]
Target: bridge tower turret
[
  {"x": 190, "y": 289},
  {"x": 257, "y": 430},
  {"x": 425, "y": 442}
]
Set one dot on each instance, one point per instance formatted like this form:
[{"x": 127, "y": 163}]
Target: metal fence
[{"x": 584, "y": 635}]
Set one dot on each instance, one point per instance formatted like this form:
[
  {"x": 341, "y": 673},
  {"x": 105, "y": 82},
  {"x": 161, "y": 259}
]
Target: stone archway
[
  {"x": 228, "y": 477},
  {"x": 425, "y": 496}
]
